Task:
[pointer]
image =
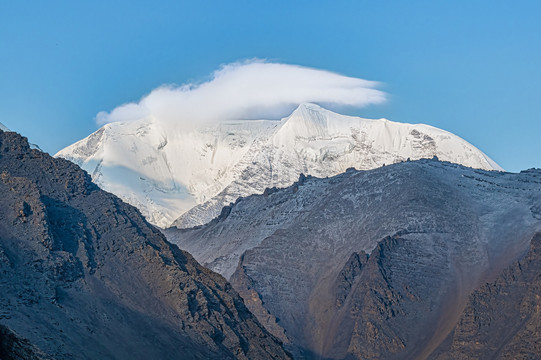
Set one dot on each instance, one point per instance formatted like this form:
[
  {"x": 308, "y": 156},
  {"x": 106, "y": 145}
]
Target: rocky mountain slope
[
  {"x": 370, "y": 264},
  {"x": 83, "y": 275},
  {"x": 502, "y": 319},
  {"x": 13, "y": 347},
  {"x": 191, "y": 173}
]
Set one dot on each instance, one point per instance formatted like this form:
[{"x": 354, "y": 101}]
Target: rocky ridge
[
  {"x": 83, "y": 275},
  {"x": 370, "y": 264}
]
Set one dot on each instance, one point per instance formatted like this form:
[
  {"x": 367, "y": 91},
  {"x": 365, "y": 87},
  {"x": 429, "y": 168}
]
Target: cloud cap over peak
[{"x": 253, "y": 89}]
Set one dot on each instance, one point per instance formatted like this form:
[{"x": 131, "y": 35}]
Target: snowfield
[{"x": 184, "y": 176}]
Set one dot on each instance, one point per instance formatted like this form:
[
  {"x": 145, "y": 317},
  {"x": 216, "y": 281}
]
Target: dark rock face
[
  {"x": 503, "y": 318},
  {"x": 13, "y": 347},
  {"x": 83, "y": 275},
  {"x": 350, "y": 272},
  {"x": 388, "y": 303}
]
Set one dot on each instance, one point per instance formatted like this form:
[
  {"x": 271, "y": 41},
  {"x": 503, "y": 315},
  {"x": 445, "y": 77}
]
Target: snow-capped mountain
[
  {"x": 184, "y": 176},
  {"x": 3, "y": 127}
]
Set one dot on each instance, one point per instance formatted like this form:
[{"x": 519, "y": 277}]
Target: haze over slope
[
  {"x": 502, "y": 319},
  {"x": 192, "y": 173}
]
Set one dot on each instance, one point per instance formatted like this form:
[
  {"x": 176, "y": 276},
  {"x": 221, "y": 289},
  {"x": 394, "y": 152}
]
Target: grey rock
[{"x": 434, "y": 232}]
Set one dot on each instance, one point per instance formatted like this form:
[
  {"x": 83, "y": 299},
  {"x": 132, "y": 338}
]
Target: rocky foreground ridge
[{"x": 83, "y": 275}]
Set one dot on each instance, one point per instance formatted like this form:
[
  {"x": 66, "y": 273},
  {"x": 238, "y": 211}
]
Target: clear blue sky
[{"x": 469, "y": 67}]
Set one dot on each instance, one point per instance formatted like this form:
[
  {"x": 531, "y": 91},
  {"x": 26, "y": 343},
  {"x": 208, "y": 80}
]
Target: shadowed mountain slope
[
  {"x": 83, "y": 275},
  {"x": 12, "y": 347},
  {"x": 503, "y": 318}
]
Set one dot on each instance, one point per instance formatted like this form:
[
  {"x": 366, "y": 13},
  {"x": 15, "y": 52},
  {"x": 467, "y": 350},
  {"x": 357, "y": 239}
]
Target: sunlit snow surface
[{"x": 184, "y": 176}]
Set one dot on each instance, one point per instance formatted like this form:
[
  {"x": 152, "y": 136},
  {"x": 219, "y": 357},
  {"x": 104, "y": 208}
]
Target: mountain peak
[
  {"x": 3, "y": 127},
  {"x": 220, "y": 163},
  {"x": 308, "y": 120},
  {"x": 308, "y": 110},
  {"x": 309, "y": 106}
]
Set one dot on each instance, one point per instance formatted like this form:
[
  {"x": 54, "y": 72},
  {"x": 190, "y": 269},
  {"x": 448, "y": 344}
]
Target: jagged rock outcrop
[
  {"x": 434, "y": 232},
  {"x": 83, "y": 275},
  {"x": 502, "y": 319},
  {"x": 387, "y": 303}
]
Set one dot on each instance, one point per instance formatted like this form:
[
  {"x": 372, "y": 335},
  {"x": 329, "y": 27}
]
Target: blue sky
[{"x": 469, "y": 67}]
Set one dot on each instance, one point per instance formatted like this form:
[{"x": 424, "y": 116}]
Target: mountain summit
[{"x": 184, "y": 176}]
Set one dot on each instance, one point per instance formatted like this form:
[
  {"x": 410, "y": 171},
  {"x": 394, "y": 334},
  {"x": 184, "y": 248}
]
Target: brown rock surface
[{"x": 503, "y": 318}]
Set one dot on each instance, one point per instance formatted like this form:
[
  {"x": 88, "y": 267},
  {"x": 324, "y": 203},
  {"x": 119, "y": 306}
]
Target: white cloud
[{"x": 248, "y": 90}]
